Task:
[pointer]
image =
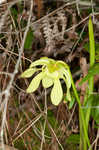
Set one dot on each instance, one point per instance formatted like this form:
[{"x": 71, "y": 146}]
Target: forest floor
[{"x": 57, "y": 29}]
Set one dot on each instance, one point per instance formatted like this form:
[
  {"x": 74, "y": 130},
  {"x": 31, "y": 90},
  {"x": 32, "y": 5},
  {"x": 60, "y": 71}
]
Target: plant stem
[
  {"x": 83, "y": 143},
  {"x": 92, "y": 54},
  {"x": 81, "y": 115},
  {"x": 92, "y": 61}
]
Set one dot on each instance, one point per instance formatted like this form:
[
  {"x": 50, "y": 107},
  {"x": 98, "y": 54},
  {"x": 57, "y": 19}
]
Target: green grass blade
[{"x": 92, "y": 53}]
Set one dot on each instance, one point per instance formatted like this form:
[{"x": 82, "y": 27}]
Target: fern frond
[
  {"x": 54, "y": 25},
  {"x": 62, "y": 19},
  {"x": 7, "y": 20},
  {"x": 47, "y": 31}
]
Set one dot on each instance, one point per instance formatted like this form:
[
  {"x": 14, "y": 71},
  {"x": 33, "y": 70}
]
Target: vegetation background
[{"x": 57, "y": 29}]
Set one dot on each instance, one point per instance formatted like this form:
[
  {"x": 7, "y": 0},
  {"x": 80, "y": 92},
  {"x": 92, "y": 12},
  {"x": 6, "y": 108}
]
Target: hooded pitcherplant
[{"x": 50, "y": 73}]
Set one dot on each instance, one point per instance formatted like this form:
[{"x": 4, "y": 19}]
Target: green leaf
[
  {"x": 14, "y": 12},
  {"x": 28, "y": 73},
  {"x": 97, "y": 48},
  {"x": 71, "y": 103},
  {"x": 47, "y": 82},
  {"x": 57, "y": 92},
  {"x": 35, "y": 83},
  {"x": 87, "y": 105},
  {"x": 92, "y": 53},
  {"x": 52, "y": 119},
  {"x": 95, "y": 108},
  {"x": 73, "y": 139},
  {"x": 97, "y": 58},
  {"x": 86, "y": 46},
  {"x": 92, "y": 43},
  {"x": 29, "y": 40},
  {"x": 92, "y": 71}
]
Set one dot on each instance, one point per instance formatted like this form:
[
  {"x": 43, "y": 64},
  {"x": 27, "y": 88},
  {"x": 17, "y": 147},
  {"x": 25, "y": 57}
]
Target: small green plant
[
  {"x": 50, "y": 72},
  {"x": 91, "y": 100},
  {"x": 29, "y": 40}
]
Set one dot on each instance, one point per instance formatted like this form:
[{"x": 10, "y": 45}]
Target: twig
[
  {"x": 43, "y": 131},
  {"x": 7, "y": 91}
]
